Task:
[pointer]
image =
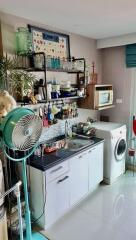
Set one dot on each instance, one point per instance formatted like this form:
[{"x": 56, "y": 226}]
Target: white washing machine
[{"x": 114, "y": 149}]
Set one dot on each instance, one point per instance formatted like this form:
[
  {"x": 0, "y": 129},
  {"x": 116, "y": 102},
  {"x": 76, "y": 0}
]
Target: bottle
[
  {"x": 49, "y": 112},
  {"x": 48, "y": 62},
  {"x": 61, "y": 63},
  {"x": 58, "y": 63},
  {"x": 40, "y": 113},
  {"x": 53, "y": 63}
]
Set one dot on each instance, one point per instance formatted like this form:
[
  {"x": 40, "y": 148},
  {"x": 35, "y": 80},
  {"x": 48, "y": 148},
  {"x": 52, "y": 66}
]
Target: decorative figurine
[
  {"x": 93, "y": 75},
  {"x": 7, "y": 103}
]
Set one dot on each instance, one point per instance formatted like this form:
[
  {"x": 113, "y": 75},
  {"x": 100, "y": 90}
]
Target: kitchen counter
[{"x": 51, "y": 159}]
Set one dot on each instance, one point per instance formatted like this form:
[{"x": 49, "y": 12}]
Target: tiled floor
[{"x": 108, "y": 214}]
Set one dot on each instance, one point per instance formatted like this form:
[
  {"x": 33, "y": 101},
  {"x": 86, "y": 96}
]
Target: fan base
[{"x": 37, "y": 236}]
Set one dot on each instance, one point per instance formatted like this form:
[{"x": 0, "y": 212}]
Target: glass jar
[
  {"x": 23, "y": 40},
  {"x": 48, "y": 62}
]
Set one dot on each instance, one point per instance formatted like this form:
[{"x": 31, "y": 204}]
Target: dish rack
[{"x": 83, "y": 130}]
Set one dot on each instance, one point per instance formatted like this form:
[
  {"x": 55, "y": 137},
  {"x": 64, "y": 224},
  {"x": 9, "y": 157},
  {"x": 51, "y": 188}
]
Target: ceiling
[{"x": 92, "y": 18}]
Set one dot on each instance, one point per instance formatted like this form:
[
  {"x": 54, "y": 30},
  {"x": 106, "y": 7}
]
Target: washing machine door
[{"x": 120, "y": 149}]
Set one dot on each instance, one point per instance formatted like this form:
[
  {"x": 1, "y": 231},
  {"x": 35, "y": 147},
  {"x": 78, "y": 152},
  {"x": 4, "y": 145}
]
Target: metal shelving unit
[
  {"x": 54, "y": 100},
  {"x": 29, "y": 58}
]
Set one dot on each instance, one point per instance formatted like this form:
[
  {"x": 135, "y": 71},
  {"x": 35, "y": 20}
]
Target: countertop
[{"x": 51, "y": 159}]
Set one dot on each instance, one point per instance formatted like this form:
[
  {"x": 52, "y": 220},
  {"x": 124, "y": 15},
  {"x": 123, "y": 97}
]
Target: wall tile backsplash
[
  {"x": 56, "y": 129},
  {"x": 59, "y": 128}
]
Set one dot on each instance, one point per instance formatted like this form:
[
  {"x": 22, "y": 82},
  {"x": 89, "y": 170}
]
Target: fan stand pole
[
  {"x": 29, "y": 234},
  {"x": 27, "y": 210}
]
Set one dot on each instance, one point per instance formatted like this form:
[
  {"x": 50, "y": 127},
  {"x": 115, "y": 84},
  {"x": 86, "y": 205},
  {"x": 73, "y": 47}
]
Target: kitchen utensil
[{"x": 54, "y": 110}]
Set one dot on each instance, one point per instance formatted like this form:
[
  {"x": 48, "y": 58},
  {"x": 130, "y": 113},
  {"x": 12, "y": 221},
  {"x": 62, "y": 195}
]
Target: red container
[{"x": 134, "y": 126}]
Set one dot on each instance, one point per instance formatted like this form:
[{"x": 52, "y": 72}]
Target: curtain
[{"x": 131, "y": 55}]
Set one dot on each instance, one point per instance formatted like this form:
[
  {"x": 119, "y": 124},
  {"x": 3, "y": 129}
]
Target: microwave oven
[{"x": 103, "y": 96}]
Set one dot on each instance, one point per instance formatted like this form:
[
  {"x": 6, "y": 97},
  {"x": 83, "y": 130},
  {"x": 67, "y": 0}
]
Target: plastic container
[{"x": 54, "y": 95}]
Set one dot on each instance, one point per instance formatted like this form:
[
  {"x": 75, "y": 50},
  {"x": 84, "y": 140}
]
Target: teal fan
[{"x": 21, "y": 130}]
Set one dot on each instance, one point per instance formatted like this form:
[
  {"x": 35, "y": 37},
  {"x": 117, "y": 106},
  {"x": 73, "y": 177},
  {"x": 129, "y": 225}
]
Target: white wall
[
  {"x": 116, "y": 41},
  {"x": 80, "y": 47},
  {"x": 116, "y": 73}
]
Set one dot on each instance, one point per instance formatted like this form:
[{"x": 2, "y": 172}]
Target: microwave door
[{"x": 104, "y": 98}]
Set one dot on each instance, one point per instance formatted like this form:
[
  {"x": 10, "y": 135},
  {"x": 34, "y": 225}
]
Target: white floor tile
[{"x": 107, "y": 214}]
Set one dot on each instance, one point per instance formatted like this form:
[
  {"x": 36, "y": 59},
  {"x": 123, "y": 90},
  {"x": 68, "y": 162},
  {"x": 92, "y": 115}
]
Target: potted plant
[
  {"x": 18, "y": 82},
  {"x": 22, "y": 83},
  {"x": 5, "y": 64}
]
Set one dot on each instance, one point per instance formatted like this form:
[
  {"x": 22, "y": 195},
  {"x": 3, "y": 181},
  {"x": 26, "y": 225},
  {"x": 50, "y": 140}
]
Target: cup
[{"x": 79, "y": 93}]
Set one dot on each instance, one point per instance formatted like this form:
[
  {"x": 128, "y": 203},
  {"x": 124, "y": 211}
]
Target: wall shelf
[
  {"x": 61, "y": 99},
  {"x": 27, "y": 63},
  {"x": 49, "y": 70},
  {"x": 105, "y": 107},
  {"x": 63, "y": 70},
  {"x": 53, "y": 100}
]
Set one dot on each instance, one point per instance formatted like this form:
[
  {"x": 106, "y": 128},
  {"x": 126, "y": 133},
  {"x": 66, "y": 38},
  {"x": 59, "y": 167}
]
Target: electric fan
[{"x": 20, "y": 130}]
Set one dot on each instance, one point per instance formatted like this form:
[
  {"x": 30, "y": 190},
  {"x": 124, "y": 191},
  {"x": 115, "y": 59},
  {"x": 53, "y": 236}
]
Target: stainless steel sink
[{"x": 77, "y": 143}]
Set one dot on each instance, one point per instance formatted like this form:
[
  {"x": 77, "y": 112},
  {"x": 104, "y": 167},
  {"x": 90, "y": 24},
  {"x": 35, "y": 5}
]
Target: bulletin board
[{"x": 53, "y": 44}]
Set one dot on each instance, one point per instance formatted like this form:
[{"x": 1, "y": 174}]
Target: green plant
[
  {"x": 18, "y": 82},
  {"x": 5, "y": 65},
  {"x": 22, "y": 79}
]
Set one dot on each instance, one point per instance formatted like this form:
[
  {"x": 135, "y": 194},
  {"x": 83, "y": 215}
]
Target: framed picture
[{"x": 53, "y": 44}]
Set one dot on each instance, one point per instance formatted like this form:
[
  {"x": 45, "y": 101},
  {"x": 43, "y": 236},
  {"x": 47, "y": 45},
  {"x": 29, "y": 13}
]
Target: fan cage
[{"x": 26, "y": 132}]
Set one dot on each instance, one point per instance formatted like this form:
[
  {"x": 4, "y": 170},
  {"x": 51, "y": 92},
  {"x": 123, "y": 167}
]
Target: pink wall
[{"x": 116, "y": 73}]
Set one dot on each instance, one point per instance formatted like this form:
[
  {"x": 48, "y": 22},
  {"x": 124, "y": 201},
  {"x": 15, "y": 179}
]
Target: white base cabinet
[
  {"x": 56, "y": 190},
  {"x": 78, "y": 177},
  {"x": 95, "y": 158},
  {"x": 57, "y": 199}
]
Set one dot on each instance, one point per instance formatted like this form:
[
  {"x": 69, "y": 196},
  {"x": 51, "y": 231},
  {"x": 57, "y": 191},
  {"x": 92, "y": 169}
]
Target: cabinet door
[
  {"x": 78, "y": 177},
  {"x": 57, "y": 200},
  {"x": 95, "y": 156}
]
